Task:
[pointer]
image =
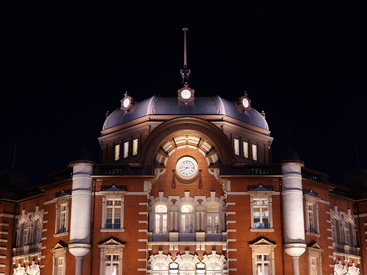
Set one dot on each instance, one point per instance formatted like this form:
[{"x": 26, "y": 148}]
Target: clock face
[
  {"x": 185, "y": 94},
  {"x": 126, "y": 102},
  {"x": 245, "y": 103},
  {"x": 187, "y": 167}
]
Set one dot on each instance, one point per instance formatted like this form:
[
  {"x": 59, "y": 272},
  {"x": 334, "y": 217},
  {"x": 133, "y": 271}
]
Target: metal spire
[{"x": 185, "y": 72}]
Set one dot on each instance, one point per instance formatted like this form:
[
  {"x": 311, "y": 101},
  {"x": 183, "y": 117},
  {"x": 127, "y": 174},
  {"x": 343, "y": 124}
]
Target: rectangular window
[
  {"x": 245, "y": 149},
  {"x": 111, "y": 265},
  {"x": 254, "y": 152},
  {"x": 126, "y": 149},
  {"x": 212, "y": 223},
  {"x": 313, "y": 266},
  {"x": 236, "y": 147},
  {"x": 311, "y": 218},
  {"x": 260, "y": 210},
  {"x": 63, "y": 215},
  {"x": 60, "y": 266},
  {"x": 113, "y": 214},
  {"x": 135, "y": 147},
  {"x": 117, "y": 152},
  {"x": 262, "y": 263}
]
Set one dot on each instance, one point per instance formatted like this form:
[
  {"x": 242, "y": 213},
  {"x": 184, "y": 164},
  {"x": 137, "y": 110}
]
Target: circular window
[
  {"x": 126, "y": 102},
  {"x": 245, "y": 103},
  {"x": 187, "y": 167}
]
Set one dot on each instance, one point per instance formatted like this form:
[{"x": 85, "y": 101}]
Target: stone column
[
  {"x": 81, "y": 208},
  {"x": 293, "y": 212}
]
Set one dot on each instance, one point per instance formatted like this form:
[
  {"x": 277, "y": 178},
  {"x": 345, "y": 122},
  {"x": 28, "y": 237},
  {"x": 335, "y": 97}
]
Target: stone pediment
[
  {"x": 112, "y": 243},
  {"x": 262, "y": 242}
]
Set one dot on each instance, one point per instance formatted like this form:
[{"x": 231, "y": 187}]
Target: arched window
[
  {"x": 186, "y": 268},
  {"x": 160, "y": 219},
  {"x": 160, "y": 268},
  {"x": 37, "y": 231},
  {"x": 24, "y": 234},
  {"x": 335, "y": 230},
  {"x": 212, "y": 218},
  {"x": 187, "y": 218},
  {"x": 213, "y": 268},
  {"x": 349, "y": 236}
]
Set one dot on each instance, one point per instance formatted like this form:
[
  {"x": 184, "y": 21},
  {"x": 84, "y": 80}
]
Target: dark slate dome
[
  {"x": 290, "y": 155},
  {"x": 83, "y": 155},
  {"x": 203, "y": 105}
]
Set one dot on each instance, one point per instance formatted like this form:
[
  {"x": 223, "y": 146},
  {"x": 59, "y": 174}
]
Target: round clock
[
  {"x": 126, "y": 102},
  {"x": 185, "y": 94},
  {"x": 187, "y": 167},
  {"x": 245, "y": 103}
]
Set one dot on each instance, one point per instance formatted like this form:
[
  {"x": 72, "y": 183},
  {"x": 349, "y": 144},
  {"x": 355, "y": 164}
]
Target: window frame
[
  {"x": 254, "y": 152},
  {"x": 161, "y": 222},
  {"x": 126, "y": 149},
  {"x": 117, "y": 152},
  {"x": 135, "y": 143},
  {"x": 245, "y": 149},
  {"x": 114, "y": 194},
  {"x": 315, "y": 252},
  {"x": 62, "y": 200},
  {"x": 188, "y": 217},
  {"x": 111, "y": 247},
  {"x": 58, "y": 252},
  {"x": 312, "y": 200},
  {"x": 261, "y": 193},
  {"x": 236, "y": 149},
  {"x": 263, "y": 247}
]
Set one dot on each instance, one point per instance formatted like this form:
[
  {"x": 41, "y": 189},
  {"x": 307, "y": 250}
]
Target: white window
[
  {"x": 261, "y": 213},
  {"x": 111, "y": 264},
  {"x": 59, "y": 259},
  {"x": 113, "y": 214},
  {"x": 62, "y": 213},
  {"x": 135, "y": 147},
  {"x": 187, "y": 268},
  {"x": 113, "y": 209},
  {"x": 349, "y": 233},
  {"x": 214, "y": 268},
  {"x": 187, "y": 219},
  {"x": 160, "y": 222},
  {"x": 262, "y": 263},
  {"x": 311, "y": 208},
  {"x": 254, "y": 152},
  {"x": 160, "y": 268},
  {"x": 314, "y": 259},
  {"x": 245, "y": 149},
  {"x": 117, "y": 151},
  {"x": 111, "y": 257},
  {"x": 263, "y": 257},
  {"x": 126, "y": 149},
  {"x": 212, "y": 219},
  {"x": 236, "y": 147},
  {"x": 261, "y": 209}
]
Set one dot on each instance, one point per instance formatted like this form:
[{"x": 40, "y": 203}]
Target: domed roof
[{"x": 168, "y": 105}]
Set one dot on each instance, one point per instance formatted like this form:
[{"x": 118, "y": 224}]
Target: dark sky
[{"x": 65, "y": 64}]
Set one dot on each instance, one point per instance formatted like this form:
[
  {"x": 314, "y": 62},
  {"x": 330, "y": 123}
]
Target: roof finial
[{"x": 185, "y": 73}]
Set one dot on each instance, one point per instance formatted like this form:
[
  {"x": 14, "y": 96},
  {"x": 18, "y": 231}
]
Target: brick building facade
[{"x": 185, "y": 186}]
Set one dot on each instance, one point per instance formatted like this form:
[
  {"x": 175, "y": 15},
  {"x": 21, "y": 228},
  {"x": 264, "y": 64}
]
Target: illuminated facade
[{"x": 186, "y": 186}]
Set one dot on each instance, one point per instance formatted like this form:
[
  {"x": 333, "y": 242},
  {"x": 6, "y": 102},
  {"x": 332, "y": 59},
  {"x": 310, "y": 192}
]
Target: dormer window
[{"x": 244, "y": 103}]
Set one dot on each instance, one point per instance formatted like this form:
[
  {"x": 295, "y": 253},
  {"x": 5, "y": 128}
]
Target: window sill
[
  {"x": 261, "y": 229},
  {"x": 313, "y": 234},
  {"x": 61, "y": 234},
  {"x": 112, "y": 230}
]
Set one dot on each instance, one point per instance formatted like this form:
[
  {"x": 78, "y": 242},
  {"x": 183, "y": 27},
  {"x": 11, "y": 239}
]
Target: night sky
[{"x": 65, "y": 64}]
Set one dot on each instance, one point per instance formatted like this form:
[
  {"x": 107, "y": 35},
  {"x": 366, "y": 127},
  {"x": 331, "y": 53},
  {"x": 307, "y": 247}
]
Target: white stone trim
[
  {"x": 143, "y": 221},
  {"x": 231, "y": 213},
  {"x": 44, "y": 238},
  {"x": 48, "y": 202},
  {"x": 4, "y": 232},
  {"x": 143, "y": 213},
  {"x": 45, "y": 221},
  {"x": 3, "y": 240},
  {"x": 2, "y": 256},
  {"x": 137, "y": 193},
  {"x": 143, "y": 230},
  {"x": 42, "y": 266},
  {"x": 142, "y": 250},
  {"x": 324, "y": 202},
  {"x": 142, "y": 240},
  {"x": 3, "y": 248},
  {"x": 142, "y": 260},
  {"x": 232, "y": 249},
  {"x": 231, "y": 222},
  {"x": 142, "y": 269},
  {"x": 6, "y": 215},
  {"x": 231, "y": 240},
  {"x": 45, "y": 213},
  {"x": 236, "y": 193},
  {"x": 143, "y": 203},
  {"x": 232, "y": 260},
  {"x": 230, "y": 203},
  {"x": 231, "y": 230},
  {"x": 4, "y": 224},
  {"x": 362, "y": 216}
]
